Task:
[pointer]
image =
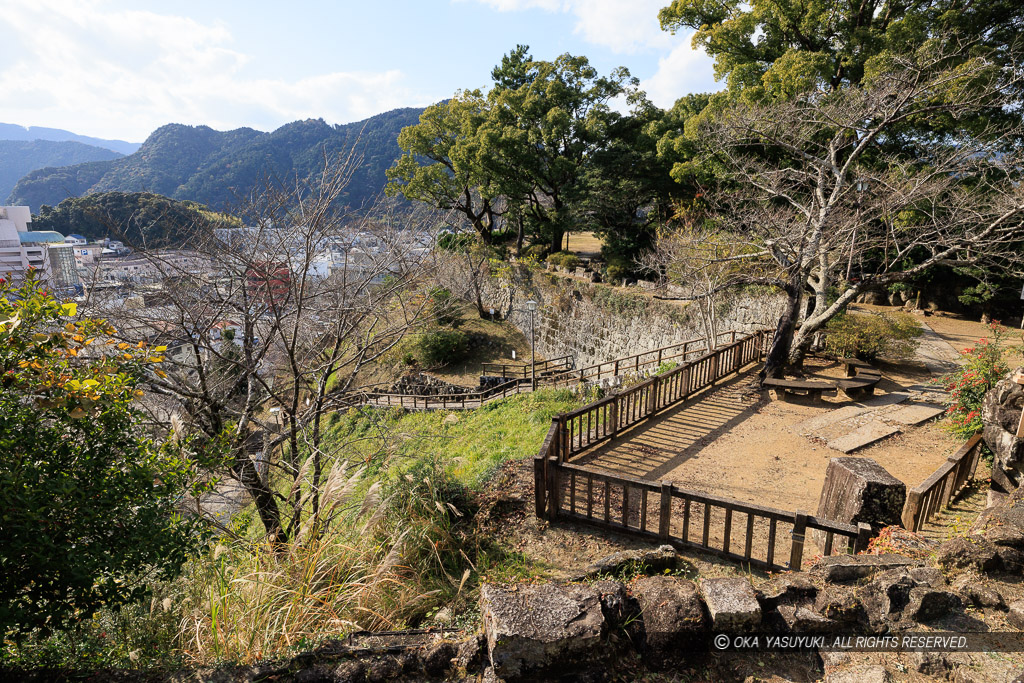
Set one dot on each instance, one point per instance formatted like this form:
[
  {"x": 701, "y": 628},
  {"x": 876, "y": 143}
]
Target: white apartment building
[{"x": 22, "y": 248}]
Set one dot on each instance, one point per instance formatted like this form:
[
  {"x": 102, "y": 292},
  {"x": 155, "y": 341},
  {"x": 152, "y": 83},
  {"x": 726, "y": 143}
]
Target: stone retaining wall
[{"x": 595, "y": 322}]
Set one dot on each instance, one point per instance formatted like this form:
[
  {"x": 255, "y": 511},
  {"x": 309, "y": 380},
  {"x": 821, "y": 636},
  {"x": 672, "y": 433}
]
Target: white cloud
[
  {"x": 629, "y": 27},
  {"x": 126, "y": 72},
  {"x": 623, "y": 27},
  {"x": 684, "y": 70}
]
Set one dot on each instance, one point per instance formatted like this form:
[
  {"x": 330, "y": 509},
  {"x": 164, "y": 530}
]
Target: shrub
[
  {"x": 89, "y": 512},
  {"x": 615, "y": 274},
  {"x": 442, "y": 347},
  {"x": 564, "y": 259},
  {"x": 447, "y": 310},
  {"x": 982, "y": 366},
  {"x": 893, "y": 335}
]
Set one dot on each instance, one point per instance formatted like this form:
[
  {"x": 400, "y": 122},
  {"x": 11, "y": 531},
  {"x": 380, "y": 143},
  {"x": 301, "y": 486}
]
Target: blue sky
[{"x": 118, "y": 69}]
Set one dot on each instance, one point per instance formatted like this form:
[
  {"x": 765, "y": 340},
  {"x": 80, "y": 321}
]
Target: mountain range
[
  {"x": 18, "y": 157},
  {"x": 197, "y": 163},
  {"x": 12, "y": 131}
]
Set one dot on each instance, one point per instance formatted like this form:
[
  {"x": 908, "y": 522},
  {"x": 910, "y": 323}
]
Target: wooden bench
[
  {"x": 855, "y": 366},
  {"x": 785, "y": 387},
  {"x": 859, "y": 386}
]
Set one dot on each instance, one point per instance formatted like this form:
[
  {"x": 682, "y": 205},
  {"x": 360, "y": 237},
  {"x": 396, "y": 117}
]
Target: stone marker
[
  {"x": 859, "y": 490},
  {"x": 547, "y": 628},
  {"x": 731, "y": 602},
  {"x": 865, "y": 435}
]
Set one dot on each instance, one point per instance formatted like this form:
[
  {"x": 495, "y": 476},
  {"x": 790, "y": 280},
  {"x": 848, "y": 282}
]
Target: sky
[{"x": 118, "y": 69}]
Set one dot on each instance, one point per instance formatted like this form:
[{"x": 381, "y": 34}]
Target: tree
[
  {"x": 788, "y": 177},
  {"x": 527, "y": 141},
  {"x": 454, "y": 179},
  {"x": 89, "y": 511},
  {"x": 316, "y": 297},
  {"x": 776, "y": 50}
]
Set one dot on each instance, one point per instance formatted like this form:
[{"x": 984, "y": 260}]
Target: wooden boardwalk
[{"x": 654, "y": 448}]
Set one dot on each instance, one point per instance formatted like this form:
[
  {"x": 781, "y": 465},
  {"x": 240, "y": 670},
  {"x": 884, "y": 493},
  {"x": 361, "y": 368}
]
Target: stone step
[
  {"x": 915, "y": 413},
  {"x": 817, "y": 423},
  {"x": 864, "y": 435}
]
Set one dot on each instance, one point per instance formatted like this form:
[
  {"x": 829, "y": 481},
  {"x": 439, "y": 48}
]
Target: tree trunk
[
  {"x": 262, "y": 496},
  {"x": 778, "y": 354},
  {"x": 520, "y": 235}
]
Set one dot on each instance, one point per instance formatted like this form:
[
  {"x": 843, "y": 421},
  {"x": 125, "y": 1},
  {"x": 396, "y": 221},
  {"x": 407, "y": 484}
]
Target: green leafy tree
[
  {"x": 764, "y": 48},
  {"x": 89, "y": 510},
  {"x": 525, "y": 145}
]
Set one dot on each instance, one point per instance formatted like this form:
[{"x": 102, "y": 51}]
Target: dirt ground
[
  {"x": 959, "y": 330},
  {"x": 735, "y": 442}
]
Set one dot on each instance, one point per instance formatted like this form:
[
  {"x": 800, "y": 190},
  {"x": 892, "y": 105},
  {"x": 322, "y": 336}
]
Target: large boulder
[
  {"x": 859, "y": 490},
  {"x": 673, "y": 616},
  {"x": 844, "y": 568},
  {"x": 894, "y": 598},
  {"x": 547, "y": 629},
  {"x": 732, "y": 603},
  {"x": 792, "y": 588},
  {"x": 1000, "y": 415},
  {"x": 969, "y": 552},
  {"x": 645, "y": 561}
]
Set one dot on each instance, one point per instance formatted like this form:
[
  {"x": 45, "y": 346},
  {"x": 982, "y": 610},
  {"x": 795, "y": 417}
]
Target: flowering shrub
[{"x": 982, "y": 366}]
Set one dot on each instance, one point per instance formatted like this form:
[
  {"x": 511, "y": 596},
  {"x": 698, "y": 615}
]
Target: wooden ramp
[{"x": 657, "y": 446}]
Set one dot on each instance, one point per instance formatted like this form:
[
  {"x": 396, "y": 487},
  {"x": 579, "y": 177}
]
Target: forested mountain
[
  {"x": 142, "y": 219},
  {"x": 212, "y": 167},
  {"x": 18, "y": 157},
  {"x": 11, "y": 131}
]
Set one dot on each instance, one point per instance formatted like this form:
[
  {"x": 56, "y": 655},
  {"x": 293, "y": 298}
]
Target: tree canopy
[{"x": 525, "y": 147}]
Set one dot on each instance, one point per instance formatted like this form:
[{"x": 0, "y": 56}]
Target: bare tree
[
  {"x": 281, "y": 329},
  {"x": 790, "y": 174}
]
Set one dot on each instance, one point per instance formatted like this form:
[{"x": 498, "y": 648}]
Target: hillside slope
[
  {"x": 142, "y": 219},
  {"x": 213, "y": 167},
  {"x": 18, "y": 157}
]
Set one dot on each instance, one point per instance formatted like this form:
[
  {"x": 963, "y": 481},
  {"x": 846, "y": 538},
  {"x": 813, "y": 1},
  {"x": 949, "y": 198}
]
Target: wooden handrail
[
  {"x": 943, "y": 485},
  {"x": 604, "y": 418}
]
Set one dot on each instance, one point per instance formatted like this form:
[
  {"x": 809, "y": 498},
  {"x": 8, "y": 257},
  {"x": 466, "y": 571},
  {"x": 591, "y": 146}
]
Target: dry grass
[{"x": 584, "y": 243}]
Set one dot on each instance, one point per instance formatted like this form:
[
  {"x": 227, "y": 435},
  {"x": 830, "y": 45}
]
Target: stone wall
[{"x": 596, "y": 322}]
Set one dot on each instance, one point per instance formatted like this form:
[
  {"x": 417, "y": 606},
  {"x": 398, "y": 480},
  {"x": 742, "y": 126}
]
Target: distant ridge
[
  {"x": 198, "y": 163},
  {"x": 12, "y": 131},
  {"x": 18, "y": 157}
]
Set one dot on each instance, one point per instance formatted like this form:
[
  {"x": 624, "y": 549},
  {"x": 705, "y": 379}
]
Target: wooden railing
[
  {"x": 927, "y": 499},
  {"x": 638, "y": 363},
  {"x": 472, "y": 399},
  {"x": 660, "y": 511},
  {"x": 760, "y": 536},
  {"x": 588, "y": 426},
  {"x": 521, "y": 371}
]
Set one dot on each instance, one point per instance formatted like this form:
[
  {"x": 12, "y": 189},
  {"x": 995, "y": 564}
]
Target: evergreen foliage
[
  {"x": 142, "y": 219},
  {"x": 20, "y": 157}
]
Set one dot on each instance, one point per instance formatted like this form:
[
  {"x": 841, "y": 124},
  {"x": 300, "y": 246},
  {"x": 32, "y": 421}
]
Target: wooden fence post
[
  {"x": 911, "y": 511},
  {"x": 863, "y": 536},
  {"x": 665, "y": 515},
  {"x": 539, "y": 485},
  {"x": 554, "y": 495},
  {"x": 796, "y": 552},
  {"x": 614, "y": 414},
  {"x": 652, "y": 397}
]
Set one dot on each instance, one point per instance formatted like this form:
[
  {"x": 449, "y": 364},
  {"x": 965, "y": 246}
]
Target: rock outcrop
[{"x": 1000, "y": 413}]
